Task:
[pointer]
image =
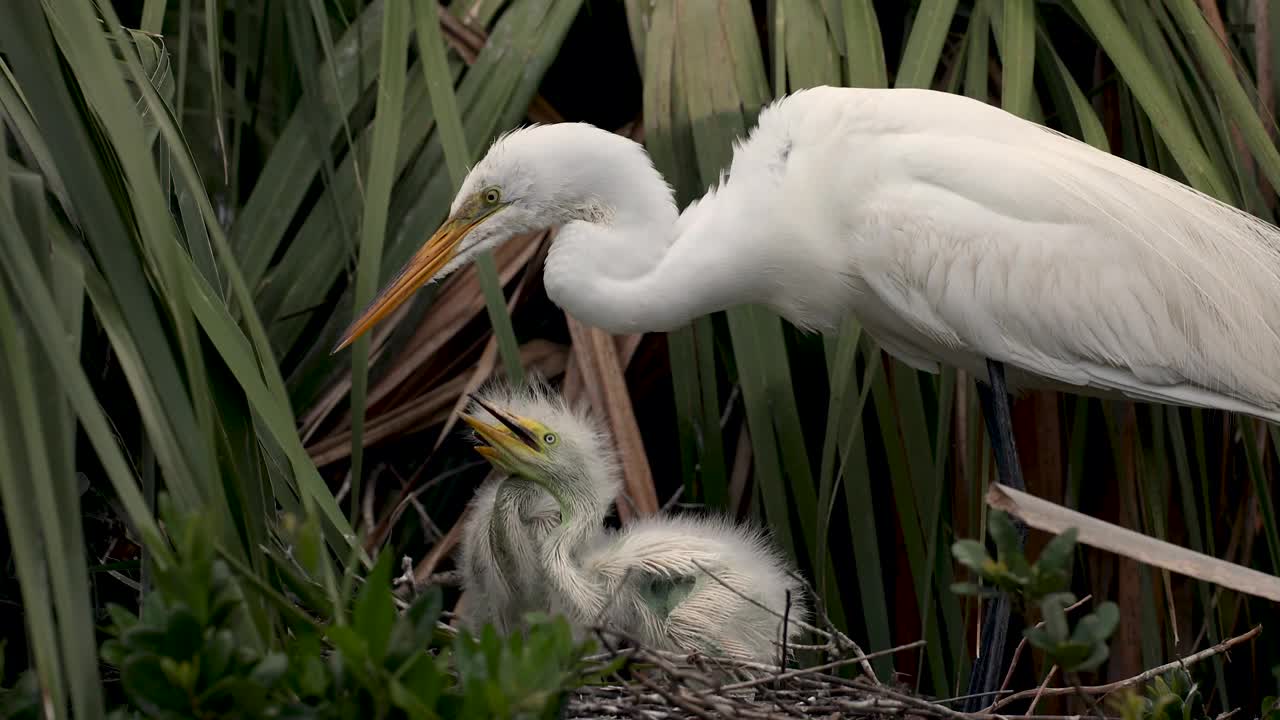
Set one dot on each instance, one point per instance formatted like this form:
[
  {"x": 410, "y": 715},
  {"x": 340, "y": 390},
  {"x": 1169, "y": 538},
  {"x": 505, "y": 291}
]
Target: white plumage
[
  {"x": 956, "y": 232},
  {"x": 676, "y": 583},
  {"x": 505, "y": 524},
  {"x": 725, "y": 562}
]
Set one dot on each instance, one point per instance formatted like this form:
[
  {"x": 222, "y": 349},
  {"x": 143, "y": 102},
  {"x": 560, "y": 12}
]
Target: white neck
[
  {"x": 626, "y": 262},
  {"x": 635, "y": 272},
  {"x": 509, "y": 534},
  {"x": 582, "y": 511}
]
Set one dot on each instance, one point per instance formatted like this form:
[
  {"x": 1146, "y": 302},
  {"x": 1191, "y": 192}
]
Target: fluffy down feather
[{"x": 684, "y": 583}]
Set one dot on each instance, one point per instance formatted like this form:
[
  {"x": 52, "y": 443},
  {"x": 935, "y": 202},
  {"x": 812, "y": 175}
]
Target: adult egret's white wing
[{"x": 972, "y": 234}]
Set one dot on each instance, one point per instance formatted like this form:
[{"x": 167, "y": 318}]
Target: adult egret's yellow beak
[
  {"x": 510, "y": 441},
  {"x": 429, "y": 260}
]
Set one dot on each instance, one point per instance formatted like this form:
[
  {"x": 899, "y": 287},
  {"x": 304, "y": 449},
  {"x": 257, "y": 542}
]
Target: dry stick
[
  {"x": 1040, "y": 690},
  {"x": 428, "y": 525},
  {"x": 664, "y": 659},
  {"x": 1050, "y": 517},
  {"x": 1136, "y": 679},
  {"x": 923, "y": 705},
  {"x": 831, "y": 630},
  {"x": 1022, "y": 644},
  {"x": 667, "y": 667},
  {"x": 1041, "y": 717},
  {"x": 428, "y": 564},
  {"x": 671, "y": 501},
  {"x": 407, "y": 578},
  {"x": 669, "y": 697},
  {"x": 790, "y": 674},
  {"x": 786, "y": 616},
  {"x": 448, "y": 578},
  {"x": 952, "y": 699},
  {"x": 743, "y": 664}
]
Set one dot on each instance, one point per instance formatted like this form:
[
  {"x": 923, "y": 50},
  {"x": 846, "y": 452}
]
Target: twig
[
  {"x": 969, "y": 696},
  {"x": 786, "y": 616},
  {"x": 407, "y": 578},
  {"x": 924, "y": 705},
  {"x": 790, "y": 674},
  {"x": 671, "y": 501},
  {"x": 1040, "y": 690},
  {"x": 1136, "y": 679},
  {"x": 671, "y": 698},
  {"x": 450, "y": 578},
  {"x": 831, "y": 629}
]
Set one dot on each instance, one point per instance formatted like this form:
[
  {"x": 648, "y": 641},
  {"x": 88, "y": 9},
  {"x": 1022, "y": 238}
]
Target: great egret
[
  {"x": 501, "y": 571},
  {"x": 677, "y": 583},
  {"x": 956, "y": 232}
]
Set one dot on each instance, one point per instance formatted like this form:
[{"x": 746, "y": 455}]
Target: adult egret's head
[
  {"x": 531, "y": 179},
  {"x": 533, "y": 434}
]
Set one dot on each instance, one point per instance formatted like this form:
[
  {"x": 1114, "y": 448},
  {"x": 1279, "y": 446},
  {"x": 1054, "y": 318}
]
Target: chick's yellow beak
[
  {"x": 429, "y": 260},
  {"x": 508, "y": 441}
]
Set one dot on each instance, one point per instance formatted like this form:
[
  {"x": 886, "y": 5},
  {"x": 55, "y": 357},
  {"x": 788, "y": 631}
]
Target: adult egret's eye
[
  {"x": 492, "y": 196},
  {"x": 549, "y": 438}
]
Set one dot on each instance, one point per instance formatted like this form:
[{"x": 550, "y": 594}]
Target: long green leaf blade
[
  {"x": 1150, "y": 89},
  {"x": 440, "y": 86},
  {"x": 382, "y": 166}
]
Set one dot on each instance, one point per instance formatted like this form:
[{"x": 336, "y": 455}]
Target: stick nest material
[
  {"x": 656, "y": 684},
  {"x": 661, "y": 685}
]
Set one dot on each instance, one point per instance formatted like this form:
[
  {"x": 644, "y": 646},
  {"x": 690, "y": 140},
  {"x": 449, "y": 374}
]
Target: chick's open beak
[
  {"x": 509, "y": 439},
  {"x": 429, "y": 260}
]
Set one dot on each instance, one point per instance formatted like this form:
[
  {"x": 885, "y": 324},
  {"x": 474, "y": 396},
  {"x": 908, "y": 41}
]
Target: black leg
[
  {"x": 995, "y": 409},
  {"x": 988, "y": 672}
]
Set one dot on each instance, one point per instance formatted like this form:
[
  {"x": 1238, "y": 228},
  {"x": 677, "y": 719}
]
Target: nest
[
  {"x": 657, "y": 684},
  {"x": 662, "y": 685},
  {"x": 653, "y": 684}
]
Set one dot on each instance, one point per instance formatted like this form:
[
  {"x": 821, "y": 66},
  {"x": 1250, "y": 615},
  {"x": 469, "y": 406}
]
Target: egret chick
[{"x": 676, "y": 583}]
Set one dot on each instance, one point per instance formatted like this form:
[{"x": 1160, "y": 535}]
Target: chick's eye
[
  {"x": 492, "y": 196},
  {"x": 549, "y": 438}
]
